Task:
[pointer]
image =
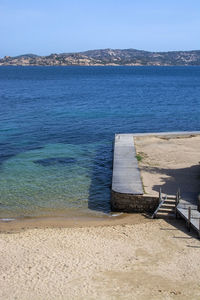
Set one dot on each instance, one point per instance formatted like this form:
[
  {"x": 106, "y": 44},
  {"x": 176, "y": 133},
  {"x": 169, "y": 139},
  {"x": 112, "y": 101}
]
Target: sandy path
[{"x": 151, "y": 260}]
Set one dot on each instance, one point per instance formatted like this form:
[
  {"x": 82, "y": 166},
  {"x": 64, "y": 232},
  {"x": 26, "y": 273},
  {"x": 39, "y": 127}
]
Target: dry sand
[
  {"x": 138, "y": 258},
  {"x": 170, "y": 162},
  {"x": 150, "y": 260}
]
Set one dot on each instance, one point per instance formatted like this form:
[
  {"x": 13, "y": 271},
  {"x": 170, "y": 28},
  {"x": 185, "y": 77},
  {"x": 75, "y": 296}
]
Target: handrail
[{"x": 160, "y": 204}]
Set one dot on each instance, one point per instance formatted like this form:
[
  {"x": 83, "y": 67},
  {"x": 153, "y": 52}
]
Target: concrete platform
[
  {"x": 126, "y": 175},
  {"x": 127, "y": 191}
]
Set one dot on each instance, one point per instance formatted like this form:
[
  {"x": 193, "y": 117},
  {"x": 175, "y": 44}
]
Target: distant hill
[
  {"x": 26, "y": 56},
  {"x": 105, "y": 57}
]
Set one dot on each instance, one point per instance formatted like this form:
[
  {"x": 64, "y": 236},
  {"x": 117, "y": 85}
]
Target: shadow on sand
[{"x": 187, "y": 179}]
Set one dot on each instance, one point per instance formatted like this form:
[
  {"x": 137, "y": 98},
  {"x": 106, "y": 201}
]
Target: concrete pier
[
  {"x": 127, "y": 190},
  {"x": 126, "y": 175}
]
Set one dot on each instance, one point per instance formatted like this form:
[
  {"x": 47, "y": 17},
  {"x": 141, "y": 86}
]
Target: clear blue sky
[{"x": 55, "y": 26}]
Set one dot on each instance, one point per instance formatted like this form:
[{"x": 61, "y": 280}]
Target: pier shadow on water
[{"x": 101, "y": 179}]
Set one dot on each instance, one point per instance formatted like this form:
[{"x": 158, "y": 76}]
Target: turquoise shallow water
[
  {"x": 41, "y": 181},
  {"x": 57, "y": 125},
  {"x": 51, "y": 181}
]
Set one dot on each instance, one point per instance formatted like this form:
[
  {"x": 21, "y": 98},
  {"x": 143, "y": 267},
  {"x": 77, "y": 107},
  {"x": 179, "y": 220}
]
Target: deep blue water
[{"x": 57, "y": 125}]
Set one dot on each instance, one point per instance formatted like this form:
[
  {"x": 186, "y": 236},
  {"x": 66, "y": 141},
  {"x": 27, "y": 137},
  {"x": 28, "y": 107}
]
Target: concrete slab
[
  {"x": 195, "y": 216},
  {"x": 126, "y": 175},
  {"x": 127, "y": 191}
]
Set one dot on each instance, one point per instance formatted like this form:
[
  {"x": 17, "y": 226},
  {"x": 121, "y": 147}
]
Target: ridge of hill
[{"x": 106, "y": 57}]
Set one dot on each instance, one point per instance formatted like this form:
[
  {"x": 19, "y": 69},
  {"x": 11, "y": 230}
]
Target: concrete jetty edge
[
  {"x": 127, "y": 193},
  {"x": 127, "y": 190}
]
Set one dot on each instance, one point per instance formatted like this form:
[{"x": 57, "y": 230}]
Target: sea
[{"x": 57, "y": 127}]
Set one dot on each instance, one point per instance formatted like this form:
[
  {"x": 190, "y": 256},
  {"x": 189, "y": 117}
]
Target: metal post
[
  {"x": 189, "y": 218},
  {"x": 177, "y": 202},
  {"x": 176, "y": 199},
  {"x": 179, "y": 193},
  {"x": 176, "y": 206},
  {"x": 199, "y": 227},
  {"x": 160, "y": 195}
]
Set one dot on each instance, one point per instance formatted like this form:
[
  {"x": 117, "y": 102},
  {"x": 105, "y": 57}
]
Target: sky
[{"x": 58, "y": 26}]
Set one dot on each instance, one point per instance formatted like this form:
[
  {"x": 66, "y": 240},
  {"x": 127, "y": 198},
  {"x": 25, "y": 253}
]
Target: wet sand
[{"x": 22, "y": 224}]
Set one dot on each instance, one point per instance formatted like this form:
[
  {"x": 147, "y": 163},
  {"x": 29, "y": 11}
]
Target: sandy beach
[
  {"x": 149, "y": 260},
  {"x": 127, "y": 257}
]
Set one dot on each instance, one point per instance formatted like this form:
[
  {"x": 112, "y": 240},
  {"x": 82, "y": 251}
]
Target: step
[
  {"x": 171, "y": 197},
  {"x": 161, "y": 215},
  {"x": 170, "y": 205},
  {"x": 167, "y": 210},
  {"x": 168, "y": 201}
]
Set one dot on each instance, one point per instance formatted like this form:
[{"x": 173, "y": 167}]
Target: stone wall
[{"x": 133, "y": 203}]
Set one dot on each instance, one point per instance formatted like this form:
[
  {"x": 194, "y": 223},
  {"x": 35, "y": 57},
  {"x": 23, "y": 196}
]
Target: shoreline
[
  {"x": 148, "y": 168},
  {"x": 21, "y": 224},
  {"x": 111, "y": 65}
]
